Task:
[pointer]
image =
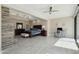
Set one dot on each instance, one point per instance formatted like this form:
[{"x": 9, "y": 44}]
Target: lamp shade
[{"x": 43, "y": 27}]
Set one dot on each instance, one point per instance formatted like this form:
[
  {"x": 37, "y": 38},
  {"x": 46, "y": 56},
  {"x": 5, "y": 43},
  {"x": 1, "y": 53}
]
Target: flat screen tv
[{"x": 59, "y": 29}]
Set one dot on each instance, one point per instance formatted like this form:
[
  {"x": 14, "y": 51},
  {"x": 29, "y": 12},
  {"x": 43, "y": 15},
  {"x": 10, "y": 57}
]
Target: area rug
[{"x": 68, "y": 43}]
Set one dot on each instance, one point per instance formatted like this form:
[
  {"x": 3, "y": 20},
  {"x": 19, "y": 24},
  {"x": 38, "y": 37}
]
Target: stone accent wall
[{"x": 7, "y": 28}]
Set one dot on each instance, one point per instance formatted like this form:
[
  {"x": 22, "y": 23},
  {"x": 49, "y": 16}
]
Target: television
[{"x": 59, "y": 29}]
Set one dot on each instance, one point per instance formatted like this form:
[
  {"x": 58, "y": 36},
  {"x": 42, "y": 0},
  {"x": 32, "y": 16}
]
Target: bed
[{"x": 36, "y": 30}]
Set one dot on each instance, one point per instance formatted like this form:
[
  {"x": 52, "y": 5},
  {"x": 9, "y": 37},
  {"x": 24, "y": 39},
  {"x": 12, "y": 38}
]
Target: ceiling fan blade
[
  {"x": 50, "y": 11},
  {"x": 45, "y": 11},
  {"x": 55, "y": 11}
]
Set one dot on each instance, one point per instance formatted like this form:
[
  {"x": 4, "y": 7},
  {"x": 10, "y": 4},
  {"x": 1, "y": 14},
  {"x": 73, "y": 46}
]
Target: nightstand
[{"x": 44, "y": 33}]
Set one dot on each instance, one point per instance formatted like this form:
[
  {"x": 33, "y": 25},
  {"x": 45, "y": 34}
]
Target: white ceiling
[{"x": 38, "y": 10}]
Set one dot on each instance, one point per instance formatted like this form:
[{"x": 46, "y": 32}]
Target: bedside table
[{"x": 44, "y": 33}]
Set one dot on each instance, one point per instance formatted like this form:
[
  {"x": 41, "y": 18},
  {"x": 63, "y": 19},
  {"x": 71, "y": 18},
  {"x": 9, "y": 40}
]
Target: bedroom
[{"x": 48, "y": 20}]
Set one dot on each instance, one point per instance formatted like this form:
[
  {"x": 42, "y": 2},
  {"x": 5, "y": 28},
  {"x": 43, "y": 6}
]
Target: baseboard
[{"x": 66, "y": 36}]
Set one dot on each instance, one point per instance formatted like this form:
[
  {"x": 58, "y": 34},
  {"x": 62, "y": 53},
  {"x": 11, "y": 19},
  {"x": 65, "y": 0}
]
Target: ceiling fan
[{"x": 51, "y": 10}]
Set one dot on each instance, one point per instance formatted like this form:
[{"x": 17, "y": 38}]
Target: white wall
[{"x": 67, "y": 23}]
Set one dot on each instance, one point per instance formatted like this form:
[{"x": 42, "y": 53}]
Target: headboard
[{"x": 37, "y": 26}]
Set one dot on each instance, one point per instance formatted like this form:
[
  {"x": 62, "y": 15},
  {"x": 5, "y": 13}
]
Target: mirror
[{"x": 19, "y": 25}]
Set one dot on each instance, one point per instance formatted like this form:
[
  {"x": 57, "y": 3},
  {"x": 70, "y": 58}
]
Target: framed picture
[{"x": 19, "y": 25}]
